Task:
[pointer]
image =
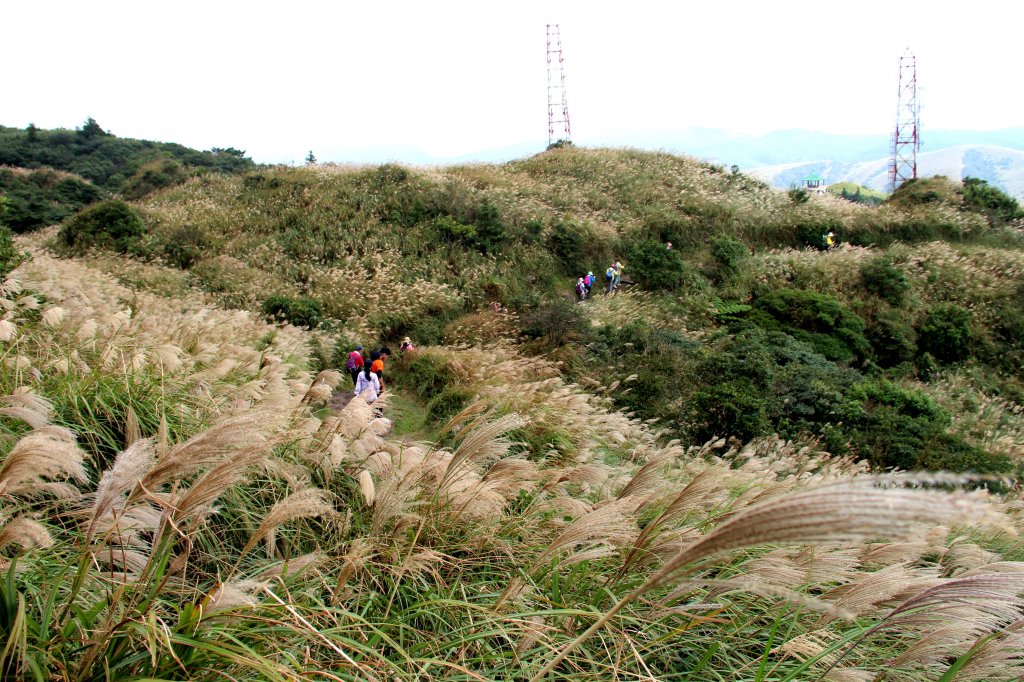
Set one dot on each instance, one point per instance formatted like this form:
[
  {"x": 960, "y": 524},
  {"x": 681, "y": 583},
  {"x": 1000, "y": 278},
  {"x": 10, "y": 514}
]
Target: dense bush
[
  {"x": 105, "y": 159},
  {"x": 880, "y": 278},
  {"x": 946, "y": 333},
  {"x": 996, "y": 205},
  {"x": 729, "y": 253},
  {"x": 897, "y": 427},
  {"x": 656, "y": 267},
  {"x": 299, "y": 311},
  {"x": 818, "y": 319},
  {"x": 186, "y": 246},
  {"x": 153, "y": 176},
  {"x": 10, "y": 257},
  {"x": 42, "y": 197},
  {"x": 449, "y": 402},
  {"x": 568, "y": 242},
  {"x": 425, "y": 373},
  {"x": 110, "y": 224},
  {"x": 558, "y": 323},
  {"x": 892, "y": 338}
]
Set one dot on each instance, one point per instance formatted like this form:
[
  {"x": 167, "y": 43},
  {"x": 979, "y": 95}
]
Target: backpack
[
  {"x": 610, "y": 272},
  {"x": 351, "y": 364}
]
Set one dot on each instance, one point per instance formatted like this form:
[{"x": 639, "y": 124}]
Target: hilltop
[{"x": 683, "y": 465}]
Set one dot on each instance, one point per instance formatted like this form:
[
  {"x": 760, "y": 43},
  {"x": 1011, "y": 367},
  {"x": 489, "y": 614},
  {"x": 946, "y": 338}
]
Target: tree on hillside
[
  {"x": 91, "y": 129},
  {"x": 310, "y": 159},
  {"x": 32, "y": 132}
]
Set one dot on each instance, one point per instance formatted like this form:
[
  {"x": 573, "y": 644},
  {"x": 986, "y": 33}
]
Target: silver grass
[
  {"x": 233, "y": 595},
  {"x": 8, "y": 331},
  {"x": 46, "y": 453},
  {"x": 129, "y": 467},
  {"x": 302, "y": 504},
  {"x": 207, "y": 448},
  {"x": 366, "y": 487},
  {"x": 648, "y": 479},
  {"x": 990, "y": 594},
  {"x": 53, "y": 316},
  {"x": 483, "y": 443},
  {"x": 998, "y": 658},
  {"x": 292, "y": 567},
  {"x": 26, "y": 533},
  {"x": 196, "y": 501},
  {"x": 871, "y": 590},
  {"x": 847, "y": 512},
  {"x": 849, "y": 675}
]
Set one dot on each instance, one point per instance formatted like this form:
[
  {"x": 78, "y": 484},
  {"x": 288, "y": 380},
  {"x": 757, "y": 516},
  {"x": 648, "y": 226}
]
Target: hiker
[
  {"x": 407, "y": 345},
  {"x": 581, "y": 289},
  {"x": 618, "y": 273},
  {"x": 377, "y": 366},
  {"x": 588, "y": 282},
  {"x": 609, "y": 275},
  {"x": 368, "y": 385},
  {"x": 830, "y": 240},
  {"x": 355, "y": 363}
]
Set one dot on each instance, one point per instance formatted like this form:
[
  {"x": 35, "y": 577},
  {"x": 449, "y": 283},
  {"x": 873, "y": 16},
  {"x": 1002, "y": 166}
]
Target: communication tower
[
  {"x": 906, "y": 139},
  {"x": 558, "y": 125}
]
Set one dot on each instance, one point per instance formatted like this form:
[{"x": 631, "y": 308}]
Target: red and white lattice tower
[
  {"x": 906, "y": 139},
  {"x": 558, "y": 123}
]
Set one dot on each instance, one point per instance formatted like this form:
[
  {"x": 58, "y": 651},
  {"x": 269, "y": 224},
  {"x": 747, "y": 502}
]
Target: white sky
[{"x": 449, "y": 77}]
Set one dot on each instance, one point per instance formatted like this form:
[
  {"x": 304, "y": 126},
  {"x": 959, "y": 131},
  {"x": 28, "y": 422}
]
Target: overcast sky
[{"x": 278, "y": 79}]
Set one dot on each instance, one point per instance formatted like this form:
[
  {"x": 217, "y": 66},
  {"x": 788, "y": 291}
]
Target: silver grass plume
[
  {"x": 26, "y": 533},
  {"x": 302, "y": 504},
  {"x": 129, "y": 467},
  {"x": 847, "y": 512},
  {"x": 46, "y": 453}
]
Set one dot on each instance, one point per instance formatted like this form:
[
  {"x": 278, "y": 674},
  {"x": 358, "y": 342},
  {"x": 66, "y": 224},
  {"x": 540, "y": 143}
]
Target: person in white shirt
[{"x": 368, "y": 384}]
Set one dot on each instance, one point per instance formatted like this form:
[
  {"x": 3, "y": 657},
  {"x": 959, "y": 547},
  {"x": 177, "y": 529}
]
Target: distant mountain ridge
[
  {"x": 1002, "y": 167},
  {"x": 780, "y": 157}
]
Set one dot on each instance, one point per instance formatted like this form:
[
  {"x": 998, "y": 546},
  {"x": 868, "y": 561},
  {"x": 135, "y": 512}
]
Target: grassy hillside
[
  {"x": 678, "y": 481},
  {"x": 47, "y": 175}
]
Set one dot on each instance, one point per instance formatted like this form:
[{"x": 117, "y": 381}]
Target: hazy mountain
[{"x": 1003, "y": 167}]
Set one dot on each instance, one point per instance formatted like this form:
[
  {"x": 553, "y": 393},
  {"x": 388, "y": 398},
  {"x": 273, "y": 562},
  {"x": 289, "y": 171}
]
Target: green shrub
[
  {"x": 153, "y": 176},
  {"x": 818, "y": 319},
  {"x": 946, "y": 333},
  {"x": 186, "y": 247},
  {"x": 448, "y": 403},
  {"x": 897, "y": 427},
  {"x": 656, "y": 267},
  {"x": 892, "y": 338},
  {"x": 729, "y": 253},
  {"x": 426, "y": 373},
  {"x": 567, "y": 241},
  {"x": 451, "y": 230},
  {"x": 880, "y": 278},
  {"x": 559, "y": 322},
  {"x": 491, "y": 232},
  {"x": 10, "y": 257},
  {"x": 993, "y": 203},
  {"x": 109, "y": 224},
  {"x": 798, "y": 196},
  {"x": 299, "y": 311},
  {"x": 729, "y": 408}
]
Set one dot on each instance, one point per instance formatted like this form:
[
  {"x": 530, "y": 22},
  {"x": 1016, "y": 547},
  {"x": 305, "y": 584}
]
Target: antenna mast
[
  {"x": 906, "y": 140},
  {"x": 555, "y": 55}
]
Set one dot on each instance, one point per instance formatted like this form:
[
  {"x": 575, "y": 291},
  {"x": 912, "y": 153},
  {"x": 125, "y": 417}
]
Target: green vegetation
[
  {"x": 667, "y": 482},
  {"x": 110, "y": 224},
  {"x": 858, "y": 194},
  {"x": 55, "y": 173}
]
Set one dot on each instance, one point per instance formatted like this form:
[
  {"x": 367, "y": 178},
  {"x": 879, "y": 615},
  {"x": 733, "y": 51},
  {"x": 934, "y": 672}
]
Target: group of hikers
[
  {"x": 368, "y": 372},
  {"x": 612, "y": 276}
]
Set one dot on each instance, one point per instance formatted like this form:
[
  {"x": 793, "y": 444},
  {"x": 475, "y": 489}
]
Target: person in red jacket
[{"x": 354, "y": 363}]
